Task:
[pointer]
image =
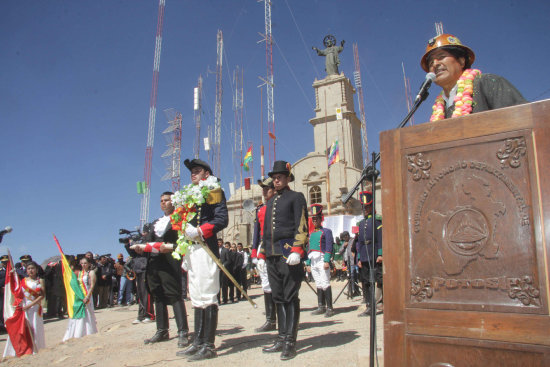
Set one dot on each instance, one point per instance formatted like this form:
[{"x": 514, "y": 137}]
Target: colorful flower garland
[
  {"x": 186, "y": 202},
  {"x": 464, "y": 97}
]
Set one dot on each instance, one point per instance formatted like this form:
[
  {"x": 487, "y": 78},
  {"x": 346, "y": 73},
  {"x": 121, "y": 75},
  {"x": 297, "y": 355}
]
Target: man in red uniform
[{"x": 259, "y": 258}]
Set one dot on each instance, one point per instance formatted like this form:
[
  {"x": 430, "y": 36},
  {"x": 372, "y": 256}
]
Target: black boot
[
  {"x": 292, "y": 321},
  {"x": 270, "y": 314},
  {"x": 281, "y": 323},
  {"x": 320, "y": 302},
  {"x": 181, "y": 321},
  {"x": 207, "y": 349},
  {"x": 199, "y": 335},
  {"x": 162, "y": 324},
  {"x": 328, "y": 298},
  {"x": 365, "y": 287}
]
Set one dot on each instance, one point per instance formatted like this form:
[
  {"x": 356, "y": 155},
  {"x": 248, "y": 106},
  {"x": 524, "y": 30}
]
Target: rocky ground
[{"x": 342, "y": 340}]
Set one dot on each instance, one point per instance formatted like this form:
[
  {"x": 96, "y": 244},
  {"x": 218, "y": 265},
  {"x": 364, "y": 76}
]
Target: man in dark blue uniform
[
  {"x": 368, "y": 249},
  {"x": 285, "y": 236},
  {"x": 203, "y": 273}
]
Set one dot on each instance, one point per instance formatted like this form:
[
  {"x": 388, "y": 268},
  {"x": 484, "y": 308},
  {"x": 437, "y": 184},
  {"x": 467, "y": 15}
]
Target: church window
[{"x": 315, "y": 195}]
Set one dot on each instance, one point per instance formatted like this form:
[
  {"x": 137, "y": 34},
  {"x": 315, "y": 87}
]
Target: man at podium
[{"x": 465, "y": 90}]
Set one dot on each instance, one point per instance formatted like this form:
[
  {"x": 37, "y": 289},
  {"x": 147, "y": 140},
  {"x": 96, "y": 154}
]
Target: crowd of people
[{"x": 181, "y": 253}]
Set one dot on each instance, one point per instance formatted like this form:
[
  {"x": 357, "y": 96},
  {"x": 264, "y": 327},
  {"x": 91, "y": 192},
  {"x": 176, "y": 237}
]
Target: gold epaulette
[{"x": 214, "y": 197}]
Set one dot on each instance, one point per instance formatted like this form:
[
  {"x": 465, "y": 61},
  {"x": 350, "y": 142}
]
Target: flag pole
[{"x": 327, "y": 155}]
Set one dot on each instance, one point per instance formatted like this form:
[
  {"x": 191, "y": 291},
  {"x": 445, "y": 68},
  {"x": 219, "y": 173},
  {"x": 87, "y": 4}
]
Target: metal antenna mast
[
  {"x": 407, "y": 92},
  {"x": 197, "y": 110},
  {"x": 144, "y": 216},
  {"x": 439, "y": 28},
  {"x": 218, "y": 110},
  {"x": 268, "y": 81},
  {"x": 359, "y": 87},
  {"x": 172, "y": 155},
  {"x": 238, "y": 110}
]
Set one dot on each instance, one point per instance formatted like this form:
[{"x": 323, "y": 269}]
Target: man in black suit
[
  {"x": 163, "y": 275},
  {"x": 227, "y": 259},
  {"x": 237, "y": 268}
]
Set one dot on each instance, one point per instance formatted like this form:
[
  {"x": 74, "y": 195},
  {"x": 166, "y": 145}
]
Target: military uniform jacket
[
  {"x": 364, "y": 241},
  {"x": 212, "y": 217},
  {"x": 324, "y": 246},
  {"x": 258, "y": 232},
  {"x": 285, "y": 224}
]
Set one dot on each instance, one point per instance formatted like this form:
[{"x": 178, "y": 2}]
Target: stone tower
[{"x": 335, "y": 118}]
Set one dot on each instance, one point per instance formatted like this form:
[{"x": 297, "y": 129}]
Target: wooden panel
[
  {"x": 466, "y": 207},
  {"x": 394, "y": 327},
  {"x": 480, "y": 325},
  {"x": 469, "y": 206},
  {"x": 456, "y": 352}
]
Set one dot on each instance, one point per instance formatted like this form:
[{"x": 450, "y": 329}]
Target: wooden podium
[{"x": 466, "y": 205}]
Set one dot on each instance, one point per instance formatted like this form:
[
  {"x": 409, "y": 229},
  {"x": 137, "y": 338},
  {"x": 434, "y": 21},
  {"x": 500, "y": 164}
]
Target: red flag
[{"x": 14, "y": 316}]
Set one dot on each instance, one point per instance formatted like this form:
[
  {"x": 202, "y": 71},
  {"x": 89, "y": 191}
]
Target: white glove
[
  {"x": 193, "y": 233},
  {"x": 293, "y": 259},
  {"x": 184, "y": 264},
  {"x": 261, "y": 265},
  {"x": 255, "y": 261}
]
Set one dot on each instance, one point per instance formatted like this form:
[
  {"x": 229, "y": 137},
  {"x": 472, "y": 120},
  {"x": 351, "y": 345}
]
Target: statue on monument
[{"x": 331, "y": 54}]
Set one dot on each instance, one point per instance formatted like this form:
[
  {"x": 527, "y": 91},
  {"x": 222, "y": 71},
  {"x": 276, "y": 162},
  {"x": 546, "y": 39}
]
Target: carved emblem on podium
[
  {"x": 512, "y": 152},
  {"x": 418, "y": 166},
  {"x": 523, "y": 290},
  {"x": 467, "y": 230}
]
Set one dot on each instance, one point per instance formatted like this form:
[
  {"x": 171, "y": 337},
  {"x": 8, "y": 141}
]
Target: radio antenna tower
[
  {"x": 218, "y": 110},
  {"x": 268, "y": 81},
  {"x": 172, "y": 155},
  {"x": 238, "y": 110},
  {"x": 197, "y": 109},
  {"x": 144, "y": 216},
  {"x": 359, "y": 87}
]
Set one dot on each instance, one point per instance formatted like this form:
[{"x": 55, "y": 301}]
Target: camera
[{"x": 130, "y": 235}]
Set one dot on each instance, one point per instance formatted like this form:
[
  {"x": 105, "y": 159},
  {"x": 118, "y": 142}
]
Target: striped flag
[
  {"x": 334, "y": 153},
  {"x": 16, "y": 324},
  {"x": 75, "y": 294},
  {"x": 247, "y": 159}
]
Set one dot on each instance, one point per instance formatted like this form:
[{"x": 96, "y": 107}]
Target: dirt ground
[{"x": 341, "y": 340}]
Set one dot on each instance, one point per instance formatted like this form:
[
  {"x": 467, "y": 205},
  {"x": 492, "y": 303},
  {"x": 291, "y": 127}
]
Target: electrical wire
[{"x": 307, "y": 50}]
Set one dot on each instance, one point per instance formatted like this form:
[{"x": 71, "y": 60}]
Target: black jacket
[{"x": 285, "y": 224}]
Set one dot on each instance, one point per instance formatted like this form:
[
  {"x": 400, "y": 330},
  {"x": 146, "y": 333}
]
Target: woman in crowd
[
  {"x": 78, "y": 328},
  {"x": 33, "y": 294}
]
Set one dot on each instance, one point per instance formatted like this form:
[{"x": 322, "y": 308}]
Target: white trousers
[
  {"x": 320, "y": 274},
  {"x": 265, "y": 281},
  {"x": 203, "y": 275}
]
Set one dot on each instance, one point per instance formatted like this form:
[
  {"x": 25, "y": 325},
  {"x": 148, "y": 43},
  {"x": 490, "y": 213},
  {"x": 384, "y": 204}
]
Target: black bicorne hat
[{"x": 197, "y": 163}]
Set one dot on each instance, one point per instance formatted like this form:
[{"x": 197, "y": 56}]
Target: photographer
[{"x": 138, "y": 264}]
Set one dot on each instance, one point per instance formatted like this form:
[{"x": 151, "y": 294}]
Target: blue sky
[{"x": 76, "y": 79}]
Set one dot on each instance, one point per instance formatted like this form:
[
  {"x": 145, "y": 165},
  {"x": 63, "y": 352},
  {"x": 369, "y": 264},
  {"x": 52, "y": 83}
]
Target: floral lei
[
  {"x": 186, "y": 202},
  {"x": 464, "y": 97}
]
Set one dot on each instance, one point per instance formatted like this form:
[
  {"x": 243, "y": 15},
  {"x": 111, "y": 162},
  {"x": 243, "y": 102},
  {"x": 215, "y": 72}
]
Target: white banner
[{"x": 340, "y": 223}]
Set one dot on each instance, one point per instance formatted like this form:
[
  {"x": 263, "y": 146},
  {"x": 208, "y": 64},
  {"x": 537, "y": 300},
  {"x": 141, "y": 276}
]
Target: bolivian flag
[
  {"x": 75, "y": 294},
  {"x": 247, "y": 159}
]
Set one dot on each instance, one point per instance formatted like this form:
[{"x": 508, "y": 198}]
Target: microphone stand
[{"x": 371, "y": 173}]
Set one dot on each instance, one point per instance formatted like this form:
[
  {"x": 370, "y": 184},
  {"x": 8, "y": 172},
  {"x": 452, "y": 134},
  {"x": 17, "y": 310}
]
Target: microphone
[
  {"x": 423, "y": 92},
  {"x": 8, "y": 229}
]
